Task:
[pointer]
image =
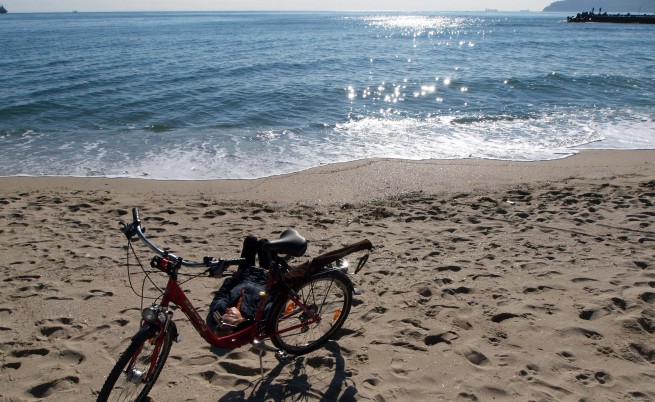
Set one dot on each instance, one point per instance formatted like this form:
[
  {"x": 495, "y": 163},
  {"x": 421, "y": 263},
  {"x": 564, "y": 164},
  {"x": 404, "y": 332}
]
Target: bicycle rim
[
  {"x": 127, "y": 381},
  {"x": 329, "y": 297}
]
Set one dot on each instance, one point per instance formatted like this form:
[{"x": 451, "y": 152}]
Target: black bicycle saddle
[{"x": 290, "y": 243}]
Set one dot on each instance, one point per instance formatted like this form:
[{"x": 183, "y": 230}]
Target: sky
[{"x": 281, "y": 5}]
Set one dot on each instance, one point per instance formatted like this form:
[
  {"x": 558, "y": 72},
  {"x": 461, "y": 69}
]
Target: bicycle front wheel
[
  {"x": 325, "y": 301},
  {"x": 129, "y": 379}
]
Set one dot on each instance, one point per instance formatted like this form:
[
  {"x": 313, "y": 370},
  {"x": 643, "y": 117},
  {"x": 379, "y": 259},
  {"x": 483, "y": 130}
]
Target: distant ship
[{"x": 3, "y": 10}]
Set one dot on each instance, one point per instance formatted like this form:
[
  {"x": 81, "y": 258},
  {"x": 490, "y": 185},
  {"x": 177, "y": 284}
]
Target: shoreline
[{"x": 365, "y": 180}]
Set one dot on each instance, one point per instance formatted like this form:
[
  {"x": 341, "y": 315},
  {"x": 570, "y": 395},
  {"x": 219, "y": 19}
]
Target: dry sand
[{"x": 489, "y": 281}]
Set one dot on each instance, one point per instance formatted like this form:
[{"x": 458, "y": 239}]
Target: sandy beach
[{"x": 490, "y": 280}]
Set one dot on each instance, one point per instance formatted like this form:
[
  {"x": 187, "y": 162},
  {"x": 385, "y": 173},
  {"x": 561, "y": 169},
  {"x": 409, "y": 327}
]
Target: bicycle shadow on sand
[{"x": 307, "y": 378}]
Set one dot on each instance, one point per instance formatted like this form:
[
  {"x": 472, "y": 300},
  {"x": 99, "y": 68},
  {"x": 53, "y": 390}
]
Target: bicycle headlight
[{"x": 150, "y": 314}]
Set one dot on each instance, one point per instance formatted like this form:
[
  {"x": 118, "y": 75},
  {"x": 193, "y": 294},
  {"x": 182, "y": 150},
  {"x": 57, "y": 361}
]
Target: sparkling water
[{"x": 244, "y": 95}]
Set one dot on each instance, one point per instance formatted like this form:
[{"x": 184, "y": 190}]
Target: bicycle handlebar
[{"x": 134, "y": 229}]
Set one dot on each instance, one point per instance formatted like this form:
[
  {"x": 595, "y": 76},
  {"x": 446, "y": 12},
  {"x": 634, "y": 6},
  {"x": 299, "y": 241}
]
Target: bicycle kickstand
[{"x": 280, "y": 355}]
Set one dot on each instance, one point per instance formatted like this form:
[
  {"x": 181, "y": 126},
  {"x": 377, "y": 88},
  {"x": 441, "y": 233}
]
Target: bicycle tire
[
  {"x": 328, "y": 295},
  {"x": 119, "y": 386}
]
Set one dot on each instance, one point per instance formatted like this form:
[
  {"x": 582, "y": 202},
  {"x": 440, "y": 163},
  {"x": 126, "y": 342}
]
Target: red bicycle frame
[{"x": 256, "y": 331}]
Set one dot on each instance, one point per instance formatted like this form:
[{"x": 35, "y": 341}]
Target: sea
[{"x": 239, "y": 95}]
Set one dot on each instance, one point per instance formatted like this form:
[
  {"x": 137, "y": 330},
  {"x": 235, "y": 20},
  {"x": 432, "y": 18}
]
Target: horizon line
[{"x": 280, "y": 11}]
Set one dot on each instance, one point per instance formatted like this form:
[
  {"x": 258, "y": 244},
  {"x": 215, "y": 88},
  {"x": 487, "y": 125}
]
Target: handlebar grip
[
  {"x": 135, "y": 216},
  {"x": 235, "y": 261}
]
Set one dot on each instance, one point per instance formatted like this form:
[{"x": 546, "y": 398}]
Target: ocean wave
[{"x": 241, "y": 95}]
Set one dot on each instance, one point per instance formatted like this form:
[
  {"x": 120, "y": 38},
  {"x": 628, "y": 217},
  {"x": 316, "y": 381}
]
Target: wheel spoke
[
  {"x": 127, "y": 381},
  {"x": 328, "y": 298}
]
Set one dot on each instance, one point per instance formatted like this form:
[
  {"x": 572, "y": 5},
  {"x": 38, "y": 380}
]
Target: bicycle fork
[{"x": 157, "y": 340}]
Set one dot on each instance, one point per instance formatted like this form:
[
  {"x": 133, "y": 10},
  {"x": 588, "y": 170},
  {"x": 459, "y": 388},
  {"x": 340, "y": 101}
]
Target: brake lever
[
  {"x": 126, "y": 229},
  {"x": 129, "y": 230}
]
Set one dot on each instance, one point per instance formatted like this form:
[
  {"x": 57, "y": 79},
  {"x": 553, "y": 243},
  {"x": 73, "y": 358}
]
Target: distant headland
[{"x": 610, "y": 6}]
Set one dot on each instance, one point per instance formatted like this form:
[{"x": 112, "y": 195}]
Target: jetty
[{"x": 613, "y": 18}]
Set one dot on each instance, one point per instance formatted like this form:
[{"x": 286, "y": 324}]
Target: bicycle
[{"x": 300, "y": 308}]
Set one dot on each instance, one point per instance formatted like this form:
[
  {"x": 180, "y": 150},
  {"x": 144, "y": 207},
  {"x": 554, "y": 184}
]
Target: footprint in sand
[
  {"x": 59, "y": 298},
  {"x": 30, "y": 352},
  {"x": 23, "y": 278},
  {"x": 647, "y": 324},
  {"x": 459, "y": 290},
  {"x": 317, "y": 362},
  {"x": 504, "y": 316},
  {"x": 638, "y": 396},
  {"x": 641, "y": 264},
  {"x": 372, "y": 382},
  {"x": 117, "y": 212},
  {"x": 646, "y": 352},
  {"x": 374, "y": 313},
  {"x": 607, "y": 351},
  {"x": 590, "y": 379},
  {"x": 30, "y": 291},
  {"x": 476, "y": 357},
  {"x": 49, "y": 388},
  {"x": 566, "y": 355},
  {"x": 594, "y": 313},
  {"x": 78, "y": 207},
  {"x": 603, "y": 377},
  {"x": 620, "y": 303},
  {"x": 530, "y": 371},
  {"x": 58, "y": 328},
  {"x": 200, "y": 360},
  {"x": 72, "y": 356},
  {"x": 582, "y": 280},
  {"x": 12, "y": 365},
  {"x": 497, "y": 338},
  {"x": 210, "y": 376},
  {"x": 121, "y": 322},
  {"x": 577, "y": 331},
  {"x": 52, "y": 332},
  {"x": 468, "y": 396},
  {"x": 648, "y": 297},
  {"x": 445, "y": 337},
  {"x": 239, "y": 369},
  {"x": 451, "y": 268},
  {"x": 98, "y": 293}
]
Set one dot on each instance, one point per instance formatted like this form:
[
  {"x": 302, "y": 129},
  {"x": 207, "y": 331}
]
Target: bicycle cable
[
  {"x": 146, "y": 273},
  {"x": 147, "y": 277},
  {"x": 191, "y": 276}
]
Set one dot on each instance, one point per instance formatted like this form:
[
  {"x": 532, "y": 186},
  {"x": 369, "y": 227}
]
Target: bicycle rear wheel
[
  {"x": 127, "y": 381},
  {"x": 328, "y": 296}
]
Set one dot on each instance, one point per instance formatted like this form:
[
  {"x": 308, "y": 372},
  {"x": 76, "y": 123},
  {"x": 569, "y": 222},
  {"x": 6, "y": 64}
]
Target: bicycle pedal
[{"x": 283, "y": 357}]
